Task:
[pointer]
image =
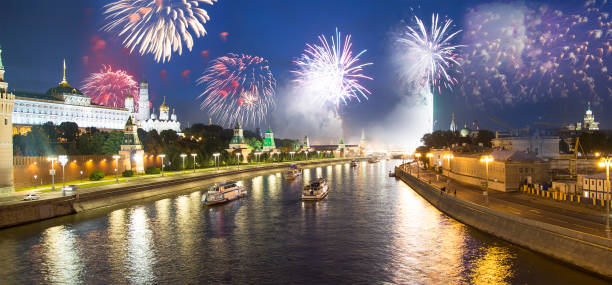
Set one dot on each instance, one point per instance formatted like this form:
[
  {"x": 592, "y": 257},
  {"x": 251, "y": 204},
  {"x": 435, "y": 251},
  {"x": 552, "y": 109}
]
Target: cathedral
[{"x": 147, "y": 120}]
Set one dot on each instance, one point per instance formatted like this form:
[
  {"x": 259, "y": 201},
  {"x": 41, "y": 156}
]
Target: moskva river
[{"x": 371, "y": 229}]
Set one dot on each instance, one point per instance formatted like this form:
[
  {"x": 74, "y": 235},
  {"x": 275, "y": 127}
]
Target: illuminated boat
[
  {"x": 354, "y": 163},
  {"x": 373, "y": 159},
  {"x": 316, "y": 190},
  {"x": 223, "y": 193},
  {"x": 293, "y": 172}
]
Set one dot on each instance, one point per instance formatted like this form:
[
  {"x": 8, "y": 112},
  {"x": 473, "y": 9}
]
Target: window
[{"x": 521, "y": 170}]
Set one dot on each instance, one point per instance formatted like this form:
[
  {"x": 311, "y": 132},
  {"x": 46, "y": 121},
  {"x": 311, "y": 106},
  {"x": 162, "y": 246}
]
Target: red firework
[{"x": 110, "y": 88}]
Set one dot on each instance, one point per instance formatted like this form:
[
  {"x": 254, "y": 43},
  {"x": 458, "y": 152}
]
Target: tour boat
[
  {"x": 354, "y": 163},
  {"x": 293, "y": 172},
  {"x": 316, "y": 190},
  {"x": 373, "y": 159},
  {"x": 224, "y": 192}
]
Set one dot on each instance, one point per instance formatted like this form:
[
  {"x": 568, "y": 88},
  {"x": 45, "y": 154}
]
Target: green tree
[
  {"x": 68, "y": 131},
  {"x": 112, "y": 144}
]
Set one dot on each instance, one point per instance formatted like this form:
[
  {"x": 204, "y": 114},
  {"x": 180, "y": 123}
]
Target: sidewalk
[{"x": 565, "y": 215}]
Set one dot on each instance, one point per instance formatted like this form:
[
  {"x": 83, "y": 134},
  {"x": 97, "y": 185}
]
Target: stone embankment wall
[
  {"x": 587, "y": 251},
  {"x": 108, "y": 195}
]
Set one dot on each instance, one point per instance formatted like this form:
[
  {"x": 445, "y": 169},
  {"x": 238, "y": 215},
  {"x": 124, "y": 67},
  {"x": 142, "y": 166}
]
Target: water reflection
[
  {"x": 493, "y": 266},
  {"x": 140, "y": 248},
  {"x": 62, "y": 259}
]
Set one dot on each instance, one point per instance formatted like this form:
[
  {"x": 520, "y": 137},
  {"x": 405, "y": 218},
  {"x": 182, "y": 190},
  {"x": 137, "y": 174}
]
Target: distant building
[
  {"x": 131, "y": 152},
  {"x": 594, "y": 186},
  {"x": 269, "y": 144},
  {"x": 507, "y": 172},
  {"x": 589, "y": 122},
  {"x": 165, "y": 121},
  {"x": 238, "y": 144},
  {"x": 63, "y": 103},
  {"x": 453, "y": 125},
  {"x": 541, "y": 146}
]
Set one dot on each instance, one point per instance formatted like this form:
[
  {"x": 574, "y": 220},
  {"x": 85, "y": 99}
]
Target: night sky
[{"x": 36, "y": 36}]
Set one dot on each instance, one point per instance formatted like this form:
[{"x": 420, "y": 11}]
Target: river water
[{"x": 371, "y": 229}]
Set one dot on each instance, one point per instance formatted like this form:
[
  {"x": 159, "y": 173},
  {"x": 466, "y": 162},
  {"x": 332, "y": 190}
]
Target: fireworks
[
  {"x": 428, "y": 57},
  {"x": 110, "y": 88},
  {"x": 330, "y": 74},
  {"x": 521, "y": 52},
  {"x": 239, "y": 88},
  {"x": 158, "y": 27}
]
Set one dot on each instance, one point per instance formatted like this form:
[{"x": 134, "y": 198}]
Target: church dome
[
  {"x": 164, "y": 107},
  {"x": 64, "y": 88},
  {"x": 464, "y": 132}
]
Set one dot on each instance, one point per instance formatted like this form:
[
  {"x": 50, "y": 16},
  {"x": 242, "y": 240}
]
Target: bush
[
  {"x": 152, "y": 170},
  {"x": 96, "y": 175},
  {"x": 127, "y": 173}
]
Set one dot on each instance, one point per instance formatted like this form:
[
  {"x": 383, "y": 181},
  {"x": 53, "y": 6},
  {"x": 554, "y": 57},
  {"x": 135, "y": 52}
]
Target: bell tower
[{"x": 6, "y": 135}]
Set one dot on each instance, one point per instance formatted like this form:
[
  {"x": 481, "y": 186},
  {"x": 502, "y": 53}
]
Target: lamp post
[
  {"x": 34, "y": 182},
  {"x": 429, "y": 155},
  {"x": 306, "y": 155},
  {"x": 139, "y": 159},
  {"x": 63, "y": 159},
  {"x": 162, "y": 167},
  {"x": 418, "y": 156},
  {"x": 328, "y": 153},
  {"x": 257, "y": 154},
  {"x": 607, "y": 162},
  {"x": 116, "y": 158},
  {"x": 448, "y": 158},
  {"x": 486, "y": 159},
  {"x": 215, "y": 155},
  {"x": 238, "y": 156},
  {"x": 52, "y": 171},
  {"x": 183, "y": 157},
  {"x": 194, "y": 162},
  {"x": 81, "y": 173},
  {"x": 292, "y": 153},
  {"x": 318, "y": 154}
]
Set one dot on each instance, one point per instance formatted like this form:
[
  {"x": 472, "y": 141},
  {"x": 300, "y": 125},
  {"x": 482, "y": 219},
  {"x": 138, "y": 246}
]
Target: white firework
[
  {"x": 330, "y": 73},
  {"x": 427, "y": 57},
  {"x": 158, "y": 27}
]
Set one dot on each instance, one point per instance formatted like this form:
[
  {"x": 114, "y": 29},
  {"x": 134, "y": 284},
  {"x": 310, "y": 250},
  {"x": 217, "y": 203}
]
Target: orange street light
[
  {"x": 607, "y": 162},
  {"x": 486, "y": 159}
]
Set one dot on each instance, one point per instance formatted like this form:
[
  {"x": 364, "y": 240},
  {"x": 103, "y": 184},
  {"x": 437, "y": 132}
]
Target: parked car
[{"x": 30, "y": 197}]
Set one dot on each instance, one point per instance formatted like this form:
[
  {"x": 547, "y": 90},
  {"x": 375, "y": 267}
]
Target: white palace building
[{"x": 65, "y": 103}]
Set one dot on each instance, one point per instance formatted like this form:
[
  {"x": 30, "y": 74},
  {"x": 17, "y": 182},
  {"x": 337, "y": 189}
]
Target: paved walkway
[{"x": 565, "y": 215}]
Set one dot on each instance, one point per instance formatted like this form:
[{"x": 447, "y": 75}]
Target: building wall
[
  {"x": 38, "y": 112},
  {"x": 542, "y": 146},
  {"x": 26, "y": 167},
  {"x": 503, "y": 176}
]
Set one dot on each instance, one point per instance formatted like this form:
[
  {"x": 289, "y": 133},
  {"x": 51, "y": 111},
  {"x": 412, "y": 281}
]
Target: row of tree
[{"x": 204, "y": 140}]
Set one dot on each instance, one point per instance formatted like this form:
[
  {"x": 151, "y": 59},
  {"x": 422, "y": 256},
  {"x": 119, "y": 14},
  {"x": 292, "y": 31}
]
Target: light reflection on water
[{"x": 370, "y": 229}]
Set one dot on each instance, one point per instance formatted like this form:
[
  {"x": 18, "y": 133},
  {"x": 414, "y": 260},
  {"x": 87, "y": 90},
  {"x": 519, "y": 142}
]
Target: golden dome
[{"x": 163, "y": 106}]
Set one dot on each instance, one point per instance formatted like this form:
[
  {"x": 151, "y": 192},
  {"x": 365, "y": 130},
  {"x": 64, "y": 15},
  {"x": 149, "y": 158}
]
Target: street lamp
[
  {"x": 81, "y": 173},
  {"x": 238, "y": 156},
  {"x": 63, "y": 159},
  {"x": 292, "y": 153},
  {"x": 257, "y": 154},
  {"x": 429, "y": 155},
  {"x": 116, "y": 158},
  {"x": 607, "y": 162},
  {"x": 216, "y": 156},
  {"x": 486, "y": 159},
  {"x": 183, "y": 157},
  {"x": 418, "y": 156},
  {"x": 318, "y": 154},
  {"x": 34, "y": 182},
  {"x": 52, "y": 171},
  {"x": 138, "y": 158},
  {"x": 162, "y": 167},
  {"x": 448, "y": 158},
  {"x": 306, "y": 155}
]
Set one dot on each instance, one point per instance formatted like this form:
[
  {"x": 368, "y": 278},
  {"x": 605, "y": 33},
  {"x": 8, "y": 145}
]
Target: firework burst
[
  {"x": 158, "y": 27},
  {"x": 429, "y": 57},
  {"x": 330, "y": 73},
  {"x": 528, "y": 52},
  {"x": 239, "y": 89},
  {"x": 110, "y": 88}
]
